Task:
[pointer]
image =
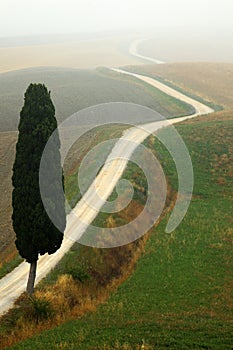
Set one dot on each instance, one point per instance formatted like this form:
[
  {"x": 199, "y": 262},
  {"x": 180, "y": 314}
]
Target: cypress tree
[{"x": 35, "y": 233}]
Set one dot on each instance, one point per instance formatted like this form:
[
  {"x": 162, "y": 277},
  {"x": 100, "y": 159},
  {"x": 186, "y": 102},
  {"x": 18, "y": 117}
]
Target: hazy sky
[{"x": 29, "y": 17}]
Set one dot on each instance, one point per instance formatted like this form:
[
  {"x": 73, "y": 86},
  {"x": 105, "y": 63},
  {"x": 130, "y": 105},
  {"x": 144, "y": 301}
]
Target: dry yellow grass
[
  {"x": 214, "y": 117},
  {"x": 211, "y": 81},
  {"x": 80, "y": 54}
]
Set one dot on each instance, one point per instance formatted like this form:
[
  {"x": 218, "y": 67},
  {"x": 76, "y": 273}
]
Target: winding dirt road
[
  {"x": 200, "y": 108},
  {"x": 14, "y": 284}
]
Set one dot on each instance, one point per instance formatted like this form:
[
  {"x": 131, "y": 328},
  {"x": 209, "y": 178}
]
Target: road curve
[
  {"x": 200, "y": 108},
  {"x": 14, "y": 284},
  {"x": 133, "y": 50}
]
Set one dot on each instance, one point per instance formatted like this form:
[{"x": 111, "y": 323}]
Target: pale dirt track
[
  {"x": 199, "y": 107},
  {"x": 13, "y": 284},
  {"x": 133, "y": 50}
]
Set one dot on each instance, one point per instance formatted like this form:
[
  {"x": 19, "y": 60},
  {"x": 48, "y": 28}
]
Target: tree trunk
[{"x": 31, "y": 278}]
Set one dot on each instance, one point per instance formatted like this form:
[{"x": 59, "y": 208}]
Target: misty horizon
[{"x": 25, "y": 18}]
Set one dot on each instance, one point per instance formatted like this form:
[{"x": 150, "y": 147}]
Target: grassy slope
[
  {"x": 180, "y": 296},
  {"x": 72, "y": 90},
  {"x": 210, "y": 81}
]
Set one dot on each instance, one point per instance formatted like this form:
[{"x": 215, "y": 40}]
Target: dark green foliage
[
  {"x": 78, "y": 273},
  {"x": 39, "y": 309},
  {"x": 35, "y": 233}
]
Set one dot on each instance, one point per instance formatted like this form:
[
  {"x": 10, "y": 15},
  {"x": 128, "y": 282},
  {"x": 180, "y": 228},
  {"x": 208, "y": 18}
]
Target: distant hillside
[
  {"x": 74, "y": 52},
  {"x": 73, "y": 90},
  {"x": 185, "y": 45},
  {"x": 211, "y": 81}
]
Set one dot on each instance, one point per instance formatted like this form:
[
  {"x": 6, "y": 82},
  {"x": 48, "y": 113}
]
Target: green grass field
[{"x": 180, "y": 294}]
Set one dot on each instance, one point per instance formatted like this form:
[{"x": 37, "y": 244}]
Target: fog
[
  {"x": 175, "y": 30},
  {"x": 27, "y": 17}
]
